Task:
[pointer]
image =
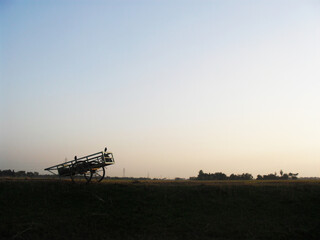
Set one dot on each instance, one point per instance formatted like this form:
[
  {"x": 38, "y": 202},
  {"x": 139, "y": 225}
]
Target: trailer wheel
[
  {"x": 88, "y": 176},
  {"x": 79, "y": 170},
  {"x": 97, "y": 173}
]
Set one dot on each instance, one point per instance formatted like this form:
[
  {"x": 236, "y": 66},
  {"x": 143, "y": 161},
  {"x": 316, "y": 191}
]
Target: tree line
[
  {"x": 244, "y": 176},
  {"x": 201, "y": 176},
  {"x": 12, "y": 173},
  {"x": 283, "y": 176}
]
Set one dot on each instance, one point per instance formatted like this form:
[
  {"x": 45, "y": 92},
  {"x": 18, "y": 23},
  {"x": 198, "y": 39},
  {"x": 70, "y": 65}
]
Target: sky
[{"x": 170, "y": 87}]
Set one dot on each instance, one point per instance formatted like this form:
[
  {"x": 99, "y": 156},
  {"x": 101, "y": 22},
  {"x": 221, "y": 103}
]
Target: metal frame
[{"x": 91, "y": 167}]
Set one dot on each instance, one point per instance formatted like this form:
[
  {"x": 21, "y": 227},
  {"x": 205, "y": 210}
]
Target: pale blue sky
[{"x": 171, "y": 87}]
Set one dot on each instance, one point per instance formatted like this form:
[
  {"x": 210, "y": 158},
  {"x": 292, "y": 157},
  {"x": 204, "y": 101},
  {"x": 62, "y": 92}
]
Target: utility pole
[{"x": 124, "y": 172}]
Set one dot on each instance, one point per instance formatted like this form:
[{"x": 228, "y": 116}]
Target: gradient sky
[{"x": 171, "y": 87}]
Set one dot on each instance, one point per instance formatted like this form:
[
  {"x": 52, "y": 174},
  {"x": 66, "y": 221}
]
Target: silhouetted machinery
[{"x": 88, "y": 168}]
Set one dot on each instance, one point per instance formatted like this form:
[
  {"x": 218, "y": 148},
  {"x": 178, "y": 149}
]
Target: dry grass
[
  {"x": 173, "y": 182},
  {"x": 159, "y": 209}
]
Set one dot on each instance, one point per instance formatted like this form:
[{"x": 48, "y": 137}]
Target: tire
[
  {"x": 79, "y": 170},
  {"x": 97, "y": 173}
]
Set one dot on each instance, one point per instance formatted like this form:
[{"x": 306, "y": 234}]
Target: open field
[{"x": 117, "y": 209}]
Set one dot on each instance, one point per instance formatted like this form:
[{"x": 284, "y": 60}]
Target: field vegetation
[{"x": 118, "y": 209}]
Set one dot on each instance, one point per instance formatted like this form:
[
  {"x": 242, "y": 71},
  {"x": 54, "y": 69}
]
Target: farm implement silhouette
[{"x": 89, "y": 168}]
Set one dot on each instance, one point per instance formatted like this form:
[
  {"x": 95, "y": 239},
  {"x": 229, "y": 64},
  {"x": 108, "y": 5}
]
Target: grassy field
[{"x": 51, "y": 209}]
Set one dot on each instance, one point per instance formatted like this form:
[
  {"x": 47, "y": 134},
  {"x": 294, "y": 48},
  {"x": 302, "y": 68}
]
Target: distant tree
[
  {"x": 233, "y": 177},
  {"x": 283, "y": 176},
  {"x": 20, "y": 173},
  {"x": 201, "y": 175},
  {"x": 243, "y": 176},
  {"x": 222, "y": 176},
  {"x": 8, "y": 173},
  {"x": 259, "y": 177},
  {"x": 219, "y": 176},
  {"x": 246, "y": 176},
  {"x": 270, "y": 177},
  {"x": 179, "y": 179}
]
